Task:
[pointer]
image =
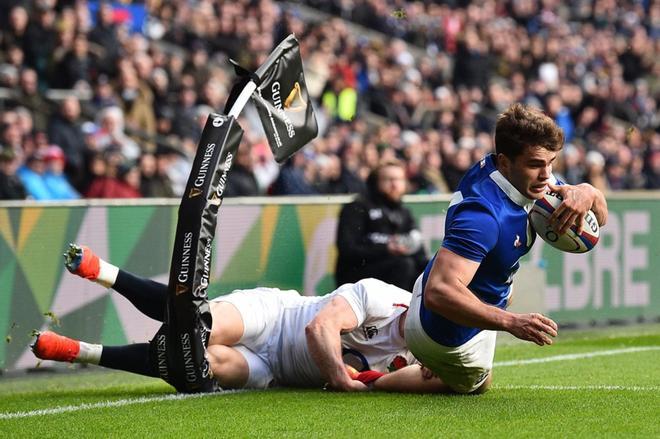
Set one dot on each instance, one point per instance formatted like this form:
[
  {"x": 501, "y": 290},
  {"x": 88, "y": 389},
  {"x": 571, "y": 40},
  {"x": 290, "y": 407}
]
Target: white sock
[
  {"x": 107, "y": 274},
  {"x": 89, "y": 353}
]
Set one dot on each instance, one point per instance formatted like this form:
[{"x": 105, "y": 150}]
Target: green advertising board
[{"x": 285, "y": 243}]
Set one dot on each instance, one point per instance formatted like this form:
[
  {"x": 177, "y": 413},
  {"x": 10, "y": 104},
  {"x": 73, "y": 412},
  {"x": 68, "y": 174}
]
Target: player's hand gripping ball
[{"x": 571, "y": 241}]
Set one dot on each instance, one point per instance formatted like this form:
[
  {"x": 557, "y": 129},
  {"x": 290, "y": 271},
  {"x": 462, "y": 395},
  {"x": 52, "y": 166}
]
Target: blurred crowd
[{"x": 417, "y": 81}]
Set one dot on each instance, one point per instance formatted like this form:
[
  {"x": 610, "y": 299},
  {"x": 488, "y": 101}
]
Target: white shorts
[
  {"x": 260, "y": 309},
  {"x": 463, "y": 368}
]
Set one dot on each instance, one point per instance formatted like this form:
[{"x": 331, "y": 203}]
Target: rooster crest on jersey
[{"x": 571, "y": 241}]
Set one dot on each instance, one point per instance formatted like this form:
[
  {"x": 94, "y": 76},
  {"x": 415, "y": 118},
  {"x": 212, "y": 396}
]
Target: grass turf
[{"x": 613, "y": 395}]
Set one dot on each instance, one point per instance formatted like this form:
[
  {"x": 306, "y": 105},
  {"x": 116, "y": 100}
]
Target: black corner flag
[{"x": 282, "y": 100}]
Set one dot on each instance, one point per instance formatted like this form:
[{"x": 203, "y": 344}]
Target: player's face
[
  {"x": 392, "y": 182},
  {"x": 530, "y": 172}
]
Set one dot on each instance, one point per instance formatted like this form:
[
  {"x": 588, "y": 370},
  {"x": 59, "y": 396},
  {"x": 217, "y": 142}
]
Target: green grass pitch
[{"x": 598, "y": 383}]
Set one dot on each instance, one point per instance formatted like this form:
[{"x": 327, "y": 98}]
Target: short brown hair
[
  {"x": 521, "y": 126},
  {"x": 374, "y": 175}
]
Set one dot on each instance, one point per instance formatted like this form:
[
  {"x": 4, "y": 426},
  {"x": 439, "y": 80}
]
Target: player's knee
[{"x": 228, "y": 366}]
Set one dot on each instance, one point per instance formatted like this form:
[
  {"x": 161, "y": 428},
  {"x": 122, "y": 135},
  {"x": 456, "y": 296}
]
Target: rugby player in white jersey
[
  {"x": 347, "y": 340},
  {"x": 460, "y": 300}
]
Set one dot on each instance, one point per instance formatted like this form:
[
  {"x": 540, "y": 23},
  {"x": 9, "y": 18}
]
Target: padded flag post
[
  {"x": 279, "y": 92},
  {"x": 179, "y": 347}
]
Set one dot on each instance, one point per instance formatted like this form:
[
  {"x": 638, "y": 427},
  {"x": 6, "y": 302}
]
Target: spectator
[
  {"x": 447, "y": 69},
  {"x": 40, "y": 40},
  {"x": 31, "y": 175},
  {"x": 15, "y": 33},
  {"x": 653, "y": 179},
  {"x": 377, "y": 235},
  {"x": 122, "y": 181},
  {"x": 65, "y": 130},
  {"x": 75, "y": 68},
  {"x": 154, "y": 181},
  {"x": 296, "y": 177},
  {"x": 103, "y": 95},
  {"x": 104, "y": 36},
  {"x": 137, "y": 104},
  {"x": 242, "y": 181},
  {"x": 111, "y": 133},
  {"x": 57, "y": 183},
  {"x": 11, "y": 187},
  {"x": 595, "y": 171},
  {"x": 30, "y": 98}
]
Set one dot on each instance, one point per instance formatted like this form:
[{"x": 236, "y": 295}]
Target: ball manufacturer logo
[
  {"x": 591, "y": 221},
  {"x": 551, "y": 235}
]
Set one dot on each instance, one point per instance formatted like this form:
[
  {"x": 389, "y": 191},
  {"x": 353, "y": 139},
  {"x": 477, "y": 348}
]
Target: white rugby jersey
[{"x": 375, "y": 344}]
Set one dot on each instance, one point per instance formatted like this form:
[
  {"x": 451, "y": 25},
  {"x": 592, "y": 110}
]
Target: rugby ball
[{"x": 570, "y": 241}]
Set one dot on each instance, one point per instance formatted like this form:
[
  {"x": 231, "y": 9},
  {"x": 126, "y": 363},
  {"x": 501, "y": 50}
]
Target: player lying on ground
[
  {"x": 459, "y": 301},
  {"x": 266, "y": 337}
]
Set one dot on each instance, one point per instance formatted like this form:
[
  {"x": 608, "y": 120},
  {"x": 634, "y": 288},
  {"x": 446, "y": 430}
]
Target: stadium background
[{"x": 420, "y": 81}]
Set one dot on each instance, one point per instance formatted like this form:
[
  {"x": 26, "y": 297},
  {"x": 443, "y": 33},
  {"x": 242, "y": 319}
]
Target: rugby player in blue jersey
[{"x": 460, "y": 300}]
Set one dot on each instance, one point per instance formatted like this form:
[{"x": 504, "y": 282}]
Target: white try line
[
  {"x": 576, "y": 356},
  {"x": 107, "y": 404},
  {"x": 595, "y": 387}
]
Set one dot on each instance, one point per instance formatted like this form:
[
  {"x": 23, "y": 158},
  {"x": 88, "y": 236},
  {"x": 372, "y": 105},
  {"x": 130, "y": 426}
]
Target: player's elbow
[
  {"x": 436, "y": 297},
  {"x": 313, "y": 329}
]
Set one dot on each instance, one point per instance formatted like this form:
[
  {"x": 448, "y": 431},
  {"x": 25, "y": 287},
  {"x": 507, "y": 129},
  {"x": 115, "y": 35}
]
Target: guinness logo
[
  {"x": 194, "y": 192},
  {"x": 180, "y": 289},
  {"x": 218, "y": 121},
  {"x": 215, "y": 200},
  {"x": 295, "y": 101}
]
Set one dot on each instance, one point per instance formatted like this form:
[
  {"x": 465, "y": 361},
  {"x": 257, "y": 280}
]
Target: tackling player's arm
[
  {"x": 447, "y": 294},
  {"x": 410, "y": 379},
  {"x": 323, "y": 335},
  {"x": 577, "y": 201}
]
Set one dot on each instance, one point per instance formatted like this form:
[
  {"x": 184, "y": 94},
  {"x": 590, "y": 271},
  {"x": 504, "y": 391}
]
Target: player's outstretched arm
[
  {"x": 577, "y": 201},
  {"x": 323, "y": 335},
  {"x": 410, "y": 379},
  {"x": 447, "y": 294}
]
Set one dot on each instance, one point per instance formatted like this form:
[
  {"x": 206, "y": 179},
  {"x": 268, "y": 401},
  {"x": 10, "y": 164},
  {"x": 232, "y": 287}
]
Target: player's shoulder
[
  {"x": 377, "y": 290},
  {"x": 484, "y": 188}
]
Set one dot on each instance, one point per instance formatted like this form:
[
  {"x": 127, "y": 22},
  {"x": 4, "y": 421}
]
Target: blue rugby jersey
[{"x": 486, "y": 223}]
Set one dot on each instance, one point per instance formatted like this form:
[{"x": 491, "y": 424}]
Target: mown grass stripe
[
  {"x": 586, "y": 388},
  {"x": 580, "y": 356},
  {"x": 107, "y": 404}
]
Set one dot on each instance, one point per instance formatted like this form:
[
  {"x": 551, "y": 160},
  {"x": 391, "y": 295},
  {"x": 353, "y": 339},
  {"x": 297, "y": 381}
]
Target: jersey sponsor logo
[
  {"x": 370, "y": 331},
  {"x": 379, "y": 238},
  {"x": 517, "y": 243},
  {"x": 375, "y": 214}
]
